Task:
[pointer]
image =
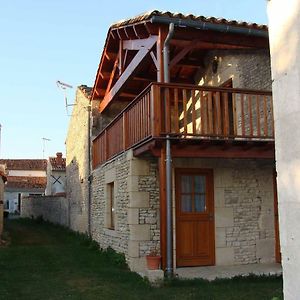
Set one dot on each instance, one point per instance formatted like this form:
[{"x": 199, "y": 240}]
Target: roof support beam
[
  {"x": 128, "y": 72},
  {"x": 139, "y": 44}
]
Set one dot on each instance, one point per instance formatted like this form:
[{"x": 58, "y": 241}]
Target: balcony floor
[{"x": 213, "y": 272}]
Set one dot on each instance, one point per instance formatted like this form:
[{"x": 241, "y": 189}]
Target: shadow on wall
[{"x": 77, "y": 189}]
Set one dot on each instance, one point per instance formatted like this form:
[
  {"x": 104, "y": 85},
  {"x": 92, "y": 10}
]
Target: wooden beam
[
  {"x": 127, "y": 74},
  {"x": 104, "y": 75},
  {"x": 159, "y": 53},
  {"x": 154, "y": 59},
  {"x": 179, "y": 56},
  {"x": 139, "y": 43},
  {"x": 112, "y": 75}
]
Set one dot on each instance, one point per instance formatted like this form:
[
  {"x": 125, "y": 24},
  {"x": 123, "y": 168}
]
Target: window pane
[
  {"x": 200, "y": 204},
  {"x": 186, "y": 184},
  {"x": 186, "y": 203},
  {"x": 200, "y": 184}
]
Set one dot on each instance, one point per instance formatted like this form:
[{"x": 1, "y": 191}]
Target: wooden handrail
[{"x": 191, "y": 112}]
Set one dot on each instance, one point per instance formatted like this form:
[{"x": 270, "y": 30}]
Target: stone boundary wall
[{"x": 52, "y": 208}]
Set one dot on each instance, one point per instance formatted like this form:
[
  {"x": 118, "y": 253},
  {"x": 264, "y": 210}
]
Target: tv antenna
[
  {"x": 64, "y": 86},
  {"x": 44, "y": 145}
]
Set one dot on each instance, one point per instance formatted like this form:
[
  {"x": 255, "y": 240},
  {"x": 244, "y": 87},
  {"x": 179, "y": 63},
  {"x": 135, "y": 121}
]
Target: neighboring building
[
  {"x": 2, "y": 182},
  {"x": 217, "y": 111},
  {"x": 285, "y": 56},
  {"x": 56, "y": 175},
  {"x": 25, "y": 177}
]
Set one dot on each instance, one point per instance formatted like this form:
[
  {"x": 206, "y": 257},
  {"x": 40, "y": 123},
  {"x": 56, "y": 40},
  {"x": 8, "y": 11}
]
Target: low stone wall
[{"x": 52, "y": 208}]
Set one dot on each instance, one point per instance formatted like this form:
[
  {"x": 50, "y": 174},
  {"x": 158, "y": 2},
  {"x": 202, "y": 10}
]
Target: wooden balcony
[{"x": 190, "y": 113}]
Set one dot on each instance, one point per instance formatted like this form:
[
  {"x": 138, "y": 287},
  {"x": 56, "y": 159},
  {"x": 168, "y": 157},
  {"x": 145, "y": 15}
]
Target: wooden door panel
[
  {"x": 185, "y": 232},
  {"x": 201, "y": 239},
  {"x": 194, "y": 217}
]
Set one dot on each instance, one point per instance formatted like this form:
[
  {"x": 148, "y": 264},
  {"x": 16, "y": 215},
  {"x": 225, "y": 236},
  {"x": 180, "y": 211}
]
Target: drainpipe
[
  {"x": 89, "y": 108},
  {"x": 169, "y": 258}
]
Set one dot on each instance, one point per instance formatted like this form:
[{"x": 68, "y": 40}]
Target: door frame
[{"x": 210, "y": 176}]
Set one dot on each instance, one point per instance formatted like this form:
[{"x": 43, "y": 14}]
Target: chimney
[{"x": 59, "y": 158}]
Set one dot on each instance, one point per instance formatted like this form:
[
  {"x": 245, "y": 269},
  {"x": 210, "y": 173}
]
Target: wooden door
[
  {"x": 195, "y": 243},
  {"x": 276, "y": 220}
]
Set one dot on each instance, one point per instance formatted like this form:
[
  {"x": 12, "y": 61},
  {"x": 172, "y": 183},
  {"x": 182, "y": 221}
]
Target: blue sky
[{"x": 43, "y": 41}]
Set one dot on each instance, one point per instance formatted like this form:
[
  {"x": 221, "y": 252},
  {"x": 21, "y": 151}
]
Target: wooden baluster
[
  {"x": 218, "y": 112},
  {"x": 210, "y": 113},
  {"x": 265, "y": 117},
  {"x": 235, "y": 124},
  {"x": 272, "y": 116},
  {"x": 257, "y": 116},
  {"x": 226, "y": 115},
  {"x": 250, "y": 115},
  {"x": 168, "y": 110},
  {"x": 176, "y": 117},
  {"x": 202, "y": 112},
  {"x": 106, "y": 144},
  {"x": 193, "y": 112},
  {"x": 242, "y": 115},
  {"x": 184, "y": 110},
  {"x": 125, "y": 130}
]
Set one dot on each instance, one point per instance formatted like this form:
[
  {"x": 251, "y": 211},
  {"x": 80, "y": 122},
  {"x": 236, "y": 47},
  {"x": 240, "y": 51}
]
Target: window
[{"x": 111, "y": 205}]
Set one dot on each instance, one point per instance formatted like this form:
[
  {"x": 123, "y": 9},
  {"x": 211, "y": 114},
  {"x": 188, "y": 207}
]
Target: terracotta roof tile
[
  {"x": 26, "y": 182},
  {"x": 25, "y": 164},
  {"x": 148, "y": 15},
  {"x": 58, "y": 163}
]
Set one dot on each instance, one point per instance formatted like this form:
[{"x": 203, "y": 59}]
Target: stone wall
[
  {"x": 284, "y": 21},
  {"x": 77, "y": 164},
  {"x": 52, "y": 208},
  {"x": 136, "y": 199},
  {"x": 249, "y": 69},
  {"x": 244, "y": 209}
]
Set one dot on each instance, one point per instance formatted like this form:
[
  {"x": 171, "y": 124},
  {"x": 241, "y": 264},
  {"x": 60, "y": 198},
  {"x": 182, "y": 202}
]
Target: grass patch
[{"x": 44, "y": 261}]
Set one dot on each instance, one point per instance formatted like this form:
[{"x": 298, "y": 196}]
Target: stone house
[
  {"x": 25, "y": 177},
  {"x": 56, "y": 175},
  {"x": 180, "y": 125},
  {"x": 2, "y": 182}
]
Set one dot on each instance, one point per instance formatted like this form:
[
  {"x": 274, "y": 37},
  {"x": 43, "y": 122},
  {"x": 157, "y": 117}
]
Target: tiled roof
[
  {"x": 56, "y": 165},
  {"x": 87, "y": 91},
  {"x": 25, "y": 164},
  {"x": 148, "y": 15},
  {"x": 26, "y": 182}
]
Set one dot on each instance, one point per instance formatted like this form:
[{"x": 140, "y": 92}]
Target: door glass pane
[
  {"x": 186, "y": 203},
  {"x": 186, "y": 184},
  {"x": 200, "y": 205},
  {"x": 199, "y": 184}
]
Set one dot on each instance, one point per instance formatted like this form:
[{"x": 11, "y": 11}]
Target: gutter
[
  {"x": 89, "y": 109},
  {"x": 224, "y": 28}
]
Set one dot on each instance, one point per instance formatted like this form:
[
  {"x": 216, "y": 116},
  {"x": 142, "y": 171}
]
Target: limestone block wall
[
  {"x": 136, "y": 201},
  {"x": 244, "y": 209},
  {"x": 249, "y": 69},
  {"x": 77, "y": 150},
  {"x": 284, "y": 24},
  {"x": 52, "y": 208}
]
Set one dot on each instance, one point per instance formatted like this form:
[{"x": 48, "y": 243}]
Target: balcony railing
[{"x": 187, "y": 112}]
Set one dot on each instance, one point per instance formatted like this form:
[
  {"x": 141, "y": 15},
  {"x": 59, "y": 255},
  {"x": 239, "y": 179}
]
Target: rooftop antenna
[
  {"x": 64, "y": 86},
  {"x": 44, "y": 145}
]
